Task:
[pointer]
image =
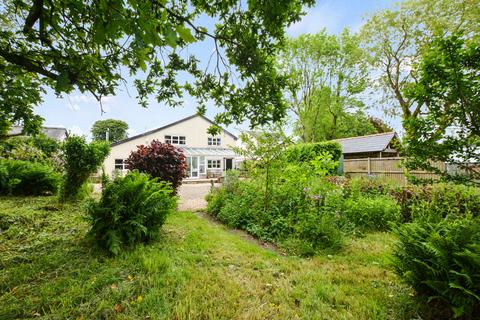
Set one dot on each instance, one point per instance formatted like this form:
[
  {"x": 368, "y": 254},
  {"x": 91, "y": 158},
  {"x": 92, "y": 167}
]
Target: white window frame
[
  {"x": 117, "y": 165},
  {"x": 175, "y": 139},
  {"x": 214, "y": 164},
  {"x": 214, "y": 141}
]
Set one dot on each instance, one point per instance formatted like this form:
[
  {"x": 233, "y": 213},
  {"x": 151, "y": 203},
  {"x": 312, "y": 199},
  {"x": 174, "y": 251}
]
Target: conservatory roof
[
  {"x": 371, "y": 143},
  {"x": 223, "y": 152}
]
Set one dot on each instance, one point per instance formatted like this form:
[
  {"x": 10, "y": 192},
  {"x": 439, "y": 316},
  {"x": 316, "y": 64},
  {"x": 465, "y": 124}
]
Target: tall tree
[
  {"x": 89, "y": 45},
  {"x": 110, "y": 130},
  {"x": 395, "y": 39},
  {"x": 327, "y": 75},
  {"x": 448, "y": 85}
]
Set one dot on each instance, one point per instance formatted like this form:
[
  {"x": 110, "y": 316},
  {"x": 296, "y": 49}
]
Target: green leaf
[
  {"x": 63, "y": 82},
  {"x": 185, "y": 34},
  {"x": 170, "y": 36}
]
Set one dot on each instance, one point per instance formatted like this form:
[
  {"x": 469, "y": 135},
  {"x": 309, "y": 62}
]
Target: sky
[{"x": 77, "y": 112}]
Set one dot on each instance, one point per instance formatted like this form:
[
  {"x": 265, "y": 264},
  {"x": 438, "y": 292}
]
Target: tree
[
  {"x": 262, "y": 149},
  {"x": 395, "y": 40},
  {"x": 323, "y": 127},
  {"x": 117, "y": 130},
  {"x": 380, "y": 125},
  {"x": 160, "y": 160},
  {"x": 81, "y": 159},
  {"x": 327, "y": 75},
  {"x": 448, "y": 86},
  {"x": 89, "y": 45}
]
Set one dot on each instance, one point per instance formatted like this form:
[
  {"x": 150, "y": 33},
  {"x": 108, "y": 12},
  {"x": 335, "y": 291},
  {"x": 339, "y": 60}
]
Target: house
[
  {"x": 380, "y": 145},
  {"x": 207, "y": 156},
  {"x": 56, "y": 133}
]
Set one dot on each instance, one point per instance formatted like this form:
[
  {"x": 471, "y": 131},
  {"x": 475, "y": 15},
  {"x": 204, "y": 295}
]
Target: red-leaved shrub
[{"x": 159, "y": 160}]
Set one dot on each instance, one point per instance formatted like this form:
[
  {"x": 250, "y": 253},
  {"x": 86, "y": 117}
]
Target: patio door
[{"x": 193, "y": 167}]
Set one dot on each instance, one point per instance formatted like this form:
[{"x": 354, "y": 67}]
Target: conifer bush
[{"x": 131, "y": 210}]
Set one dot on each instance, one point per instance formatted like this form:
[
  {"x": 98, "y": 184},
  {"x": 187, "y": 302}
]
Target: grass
[{"x": 197, "y": 270}]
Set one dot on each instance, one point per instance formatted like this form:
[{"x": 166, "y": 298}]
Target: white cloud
[
  {"x": 131, "y": 132},
  {"x": 73, "y": 107},
  {"x": 76, "y": 130},
  {"x": 323, "y": 16},
  {"x": 81, "y": 98}
]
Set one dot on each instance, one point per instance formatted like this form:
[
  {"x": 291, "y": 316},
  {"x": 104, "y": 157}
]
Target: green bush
[
  {"x": 445, "y": 200},
  {"x": 27, "y": 178},
  {"x": 38, "y": 148},
  {"x": 130, "y": 210},
  {"x": 367, "y": 186},
  {"x": 308, "y": 152},
  {"x": 441, "y": 261},
  {"x": 288, "y": 215},
  {"x": 372, "y": 213},
  {"x": 82, "y": 159}
]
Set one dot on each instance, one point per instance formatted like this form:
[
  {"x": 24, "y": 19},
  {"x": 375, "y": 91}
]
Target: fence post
[{"x": 369, "y": 167}]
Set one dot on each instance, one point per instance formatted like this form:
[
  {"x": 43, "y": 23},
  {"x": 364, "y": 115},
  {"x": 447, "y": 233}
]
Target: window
[
  {"x": 214, "y": 141},
  {"x": 175, "y": 139},
  {"x": 214, "y": 164},
  {"x": 119, "y": 164}
]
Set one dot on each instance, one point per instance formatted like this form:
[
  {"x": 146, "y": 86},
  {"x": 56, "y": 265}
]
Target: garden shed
[{"x": 381, "y": 145}]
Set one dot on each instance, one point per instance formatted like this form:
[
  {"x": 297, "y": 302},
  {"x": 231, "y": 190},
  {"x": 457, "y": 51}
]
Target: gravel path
[{"x": 192, "y": 196}]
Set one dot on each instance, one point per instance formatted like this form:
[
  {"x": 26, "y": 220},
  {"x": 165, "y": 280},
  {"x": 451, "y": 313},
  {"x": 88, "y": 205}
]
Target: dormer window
[
  {"x": 214, "y": 141},
  {"x": 175, "y": 139}
]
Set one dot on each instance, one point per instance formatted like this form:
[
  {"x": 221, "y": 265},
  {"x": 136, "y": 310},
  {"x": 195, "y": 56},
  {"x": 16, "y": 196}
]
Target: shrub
[
  {"x": 160, "y": 160},
  {"x": 445, "y": 200},
  {"x": 82, "y": 159},
  {"x": 307, "y": 152},
  {"x": 131, "y": 210},
  {"x": 372, "y": 213},
  {"x": 37, "y": 148},
  {"x": 441, "y": 261},
  {"x": 27, "y": 178},
  {"x": 367, "y": 186},
  {"x": 292, "y": 216}
]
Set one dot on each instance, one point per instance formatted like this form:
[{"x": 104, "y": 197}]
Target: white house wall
[{"x": 194, "y": 130}]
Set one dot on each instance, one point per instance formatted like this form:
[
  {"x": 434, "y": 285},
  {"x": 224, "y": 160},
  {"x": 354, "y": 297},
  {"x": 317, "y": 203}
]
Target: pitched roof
[
  {"x": 371, "y": 143},
  {"x": 168, "y": 126},
  {"x": 57, "y": 133}
]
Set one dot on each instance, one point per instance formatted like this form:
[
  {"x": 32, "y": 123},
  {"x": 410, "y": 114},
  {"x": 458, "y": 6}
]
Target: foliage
[
  {"x": 441, "y": 262},
  {"x": 327, "y": 75},
  {"x": 198, "y": 268},
  {"x": 81, "y": 159},
  {"x": 32, "y": 148},
  {"x": 117, "y": 130},
  {"x": 130, "y": 211},
  {"x": 292, "y": 218},
  {"x": 89, "y": 45},
  {"x": 310, "y": 153},
  {"x": 444, "y": 200},
  {"x": 27, "y": 178},
  {"x": 160, "y": 160},
  {"x": 19, "y": 93},
  {"x": 395, "y": 39},
  {"x": 323, "y": 164},
  {"x": 380, "y": 125},
  {"x": 263, "y": 150},
  {"x": 449, "y": 128},
  {"x": 372, "y": 213}
]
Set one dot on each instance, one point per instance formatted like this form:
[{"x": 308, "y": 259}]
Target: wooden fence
[{"x": 389, "y": 169}]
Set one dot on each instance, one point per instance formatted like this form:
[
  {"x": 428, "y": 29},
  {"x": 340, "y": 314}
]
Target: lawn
[{"x": 198, "y": 269}]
